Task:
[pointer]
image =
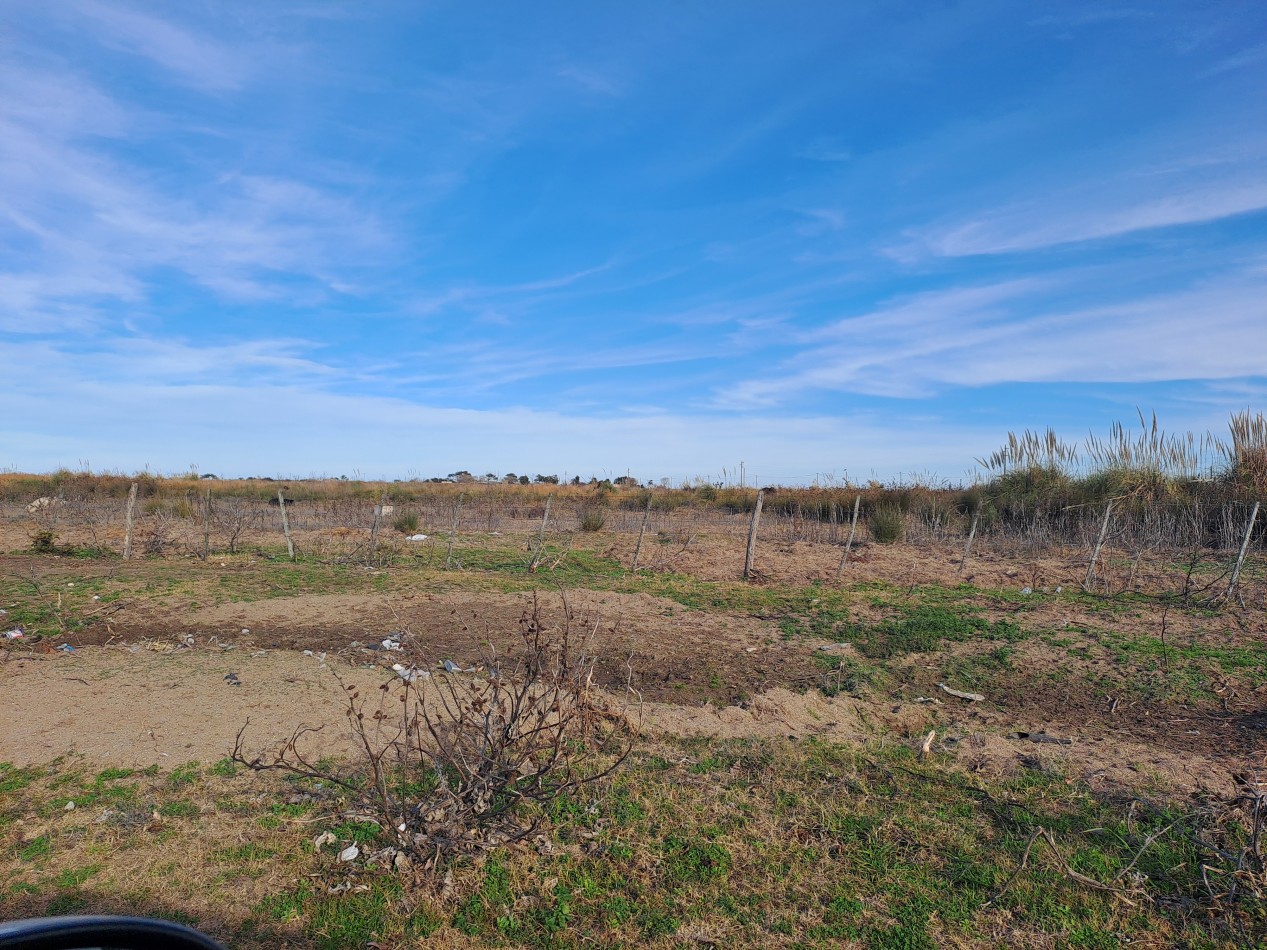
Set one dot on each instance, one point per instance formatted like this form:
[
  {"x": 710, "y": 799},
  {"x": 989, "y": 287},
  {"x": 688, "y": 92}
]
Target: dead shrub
[{"x": 461, "y": 761}]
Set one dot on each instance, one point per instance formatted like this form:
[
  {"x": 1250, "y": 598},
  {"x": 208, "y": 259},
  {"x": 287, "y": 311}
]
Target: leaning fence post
[
  {"x": 1240, "y": 558},
  {"x": 646, "y": 515},
  {"x": 453, "y": 533},
  {"x": 752, "y": 535},
  {"x": 972, "y": 533},
  {"x": 1099, "y": 543},
  {"x": 127, "y": 519},
  {"x": 290, "y": 545},
  {"x": 853, "y": 527},
  {"x": 541, "y": 537}
]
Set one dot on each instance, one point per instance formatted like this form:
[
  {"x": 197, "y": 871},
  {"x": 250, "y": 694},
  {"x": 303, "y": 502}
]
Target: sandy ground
[{"x": 161, "y": 704}]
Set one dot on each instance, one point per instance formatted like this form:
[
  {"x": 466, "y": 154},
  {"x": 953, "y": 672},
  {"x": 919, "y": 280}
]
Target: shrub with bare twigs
[{"x": 461, "y": 761}]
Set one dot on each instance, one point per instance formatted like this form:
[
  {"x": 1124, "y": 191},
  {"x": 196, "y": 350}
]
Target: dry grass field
[{"x": 800, "y": 775}]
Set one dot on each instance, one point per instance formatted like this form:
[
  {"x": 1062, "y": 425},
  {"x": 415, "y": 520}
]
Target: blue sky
[{"x": 825, "y": 239}]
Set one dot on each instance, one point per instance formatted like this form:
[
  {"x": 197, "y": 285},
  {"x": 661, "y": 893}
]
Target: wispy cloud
[
  {"x": 194, "y": 58},
  {"x": 90, "y": 227},
  {"x": 1036, "y": 225},
  {"x": 1004, "y": 333}
]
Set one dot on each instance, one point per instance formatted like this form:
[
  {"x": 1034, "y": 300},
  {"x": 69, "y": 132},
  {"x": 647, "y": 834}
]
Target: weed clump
[
  {"x": 888, "y": 524},
  {"x": 593, "y": 519}
]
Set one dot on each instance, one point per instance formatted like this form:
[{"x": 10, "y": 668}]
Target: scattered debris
[
  {"x": 416, "y": 537},
  {"x": 928, "y": 699},
  {"x": 835, "y": 648},
  {"x": 232, "y": 679},
  {"x": 70, "y": 806},
  {"x": 246, "y": 631},
  {"x": 450, "y": 667},
  {"x": 927, "y": 745},
  {"x": 65, "y": 648},
  {"x": 1027, "y": 590},
  {"x": 971, "y": 697},
  {"x": 1039, "y": 737},
  {"x": 410, "y": 674},
  {"x": 17, "y": 633},
  {"x": 322, "y": 840},
  {"x": 350, "y": 853}
]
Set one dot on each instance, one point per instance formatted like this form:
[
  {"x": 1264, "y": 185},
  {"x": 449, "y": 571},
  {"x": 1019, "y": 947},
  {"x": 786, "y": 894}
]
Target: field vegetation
[{"x": 1023, "y": 712}]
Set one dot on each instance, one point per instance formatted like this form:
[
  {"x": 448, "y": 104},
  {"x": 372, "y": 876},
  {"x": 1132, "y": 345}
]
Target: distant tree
[
  {"x": 547, "y": 479},
  {"x": 627, "y": 481},
  {"x": 576, "y": 479},
  {"x": 511, "y": 478},
  {"x": 462, "y": 476}
]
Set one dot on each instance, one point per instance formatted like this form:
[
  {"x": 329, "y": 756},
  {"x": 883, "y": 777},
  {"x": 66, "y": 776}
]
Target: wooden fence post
[
  {"x": 646, "y": 515},
  {"x": 378, "y": 520},
  {"x": 853, "y": 527},
  {"x": 972, "y": 533},
  {"x": 1240, "y": 558},
  {"x": 453, "y": 533},
  {"x": 752, "y": 535},
  {"x": 541, "y": 537},
  {"x": 1099, "y": 543},
  {"x": 127, "y": 519},
  {"x": 206, "y": 526},
  {"x": 290, "y": 545}
]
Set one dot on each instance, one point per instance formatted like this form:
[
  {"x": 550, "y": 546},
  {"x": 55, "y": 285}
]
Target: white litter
[
  {"x": 350, "y": 853},
  {"x": 1027, "y": 590},
  {"x": 390, "y": 644},
  {"x": 410, "y": 674},
  {"x": 416, "y": 537},
  {"x": 246, "y": 631},
  {"x": 450, "y": 667},
  {"x": 971, "y": 697},
  {"x": 322, "y": 840},
  {"x": 14, "y": 634}
]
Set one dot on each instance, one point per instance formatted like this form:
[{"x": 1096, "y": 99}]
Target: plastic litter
[
  {"x": 417, "y": 537},
  {"x": 350, "y": 853},
  {"x": 17, "y": 633},
  {"x": 450, "y": 667},
  {"x": 1027, "y": 590},
  {"x": 410, "y": 674},
  {"x": 66, "y": 648},
  {"x": 232, "y": 679}
]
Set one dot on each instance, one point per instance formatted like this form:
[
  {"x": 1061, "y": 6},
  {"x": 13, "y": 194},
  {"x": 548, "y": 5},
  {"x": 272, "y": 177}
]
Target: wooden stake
[
  {"x": 453, "y": 533},
  {"x": 127, "y": 520},
  {"x": 541, "y": 538},
  {"x": 378, "y": 520},
  {"x": 1240, "y": 558},
  {"x": 972, "y": 533},
  {"x": 752, "y": 535},
  {"x": 646, "y": 516},
  {"x": 290, "y": 545},
  {"x": 206, "y": 526},
  {"x": 853, "y": 528},
  {"x": 1099, "y": 543}
]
